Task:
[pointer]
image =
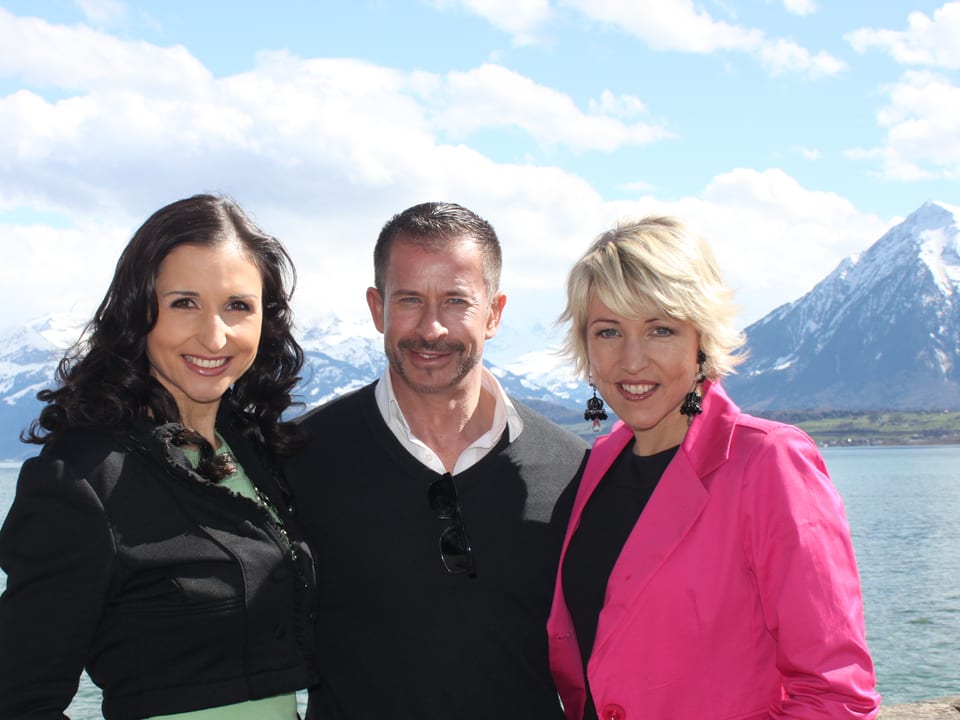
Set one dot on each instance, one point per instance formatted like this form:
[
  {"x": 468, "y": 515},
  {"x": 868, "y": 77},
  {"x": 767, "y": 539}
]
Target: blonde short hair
[{"x": 654, "y": 262}]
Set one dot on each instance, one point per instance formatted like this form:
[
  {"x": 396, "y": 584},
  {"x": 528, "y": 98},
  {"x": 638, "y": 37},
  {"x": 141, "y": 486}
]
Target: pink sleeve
[{"x": 798, "y": 541}]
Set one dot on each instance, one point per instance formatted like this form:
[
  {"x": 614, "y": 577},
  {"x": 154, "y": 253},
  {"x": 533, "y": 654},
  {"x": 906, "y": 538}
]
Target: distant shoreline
[{"x": 832, "y": 428}]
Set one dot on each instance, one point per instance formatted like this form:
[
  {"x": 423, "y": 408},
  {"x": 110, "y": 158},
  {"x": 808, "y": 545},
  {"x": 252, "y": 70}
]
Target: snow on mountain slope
[{"x": 881, "y": 331}]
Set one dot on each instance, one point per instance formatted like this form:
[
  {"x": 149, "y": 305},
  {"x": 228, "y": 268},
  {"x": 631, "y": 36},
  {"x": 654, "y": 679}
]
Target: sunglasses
[{"x": 455, "y": 550}]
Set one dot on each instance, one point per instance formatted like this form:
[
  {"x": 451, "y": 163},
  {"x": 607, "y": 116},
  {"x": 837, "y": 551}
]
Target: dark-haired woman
[{"x": 153, "y": 541}]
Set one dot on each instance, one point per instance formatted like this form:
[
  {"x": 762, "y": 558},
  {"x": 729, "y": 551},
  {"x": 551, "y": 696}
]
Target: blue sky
[{"x": 791, "y": 133}]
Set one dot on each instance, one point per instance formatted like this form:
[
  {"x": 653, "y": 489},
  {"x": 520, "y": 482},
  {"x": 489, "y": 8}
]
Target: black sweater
[{"x": 399, "y": 637}]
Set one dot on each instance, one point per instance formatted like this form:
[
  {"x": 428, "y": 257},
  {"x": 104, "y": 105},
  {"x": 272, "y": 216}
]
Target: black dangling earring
[
  {"x": 595, "y": 411},
  {"x": 691, "y": 403}
]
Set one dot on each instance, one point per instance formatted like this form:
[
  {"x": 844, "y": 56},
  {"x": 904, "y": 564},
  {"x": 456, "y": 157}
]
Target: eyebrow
[
  {"x": 617, "y": 321},
  {"x": 450, "y": 292},
  {"x": 194, "y": 293}
]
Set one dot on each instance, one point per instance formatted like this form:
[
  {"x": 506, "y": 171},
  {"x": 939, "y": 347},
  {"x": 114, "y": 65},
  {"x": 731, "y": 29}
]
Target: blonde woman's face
[{"x": 643, "y": 368}]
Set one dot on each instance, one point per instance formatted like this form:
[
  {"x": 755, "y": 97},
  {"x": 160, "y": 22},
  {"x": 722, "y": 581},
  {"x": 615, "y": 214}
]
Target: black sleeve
[
  {"x": 564, "y": 507},
  {"x": 57, "y": 550}
]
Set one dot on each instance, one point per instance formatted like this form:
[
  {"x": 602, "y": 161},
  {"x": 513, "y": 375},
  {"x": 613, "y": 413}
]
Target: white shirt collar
[{"x": 505, "y": 417}]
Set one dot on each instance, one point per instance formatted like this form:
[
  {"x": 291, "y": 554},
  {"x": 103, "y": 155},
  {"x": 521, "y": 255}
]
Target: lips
[
  {"x": 640, "y": 389},
  {"x": 430, "y": 351},
  {"x": 428, "y": 356},
  {"x": 205, "y": 363}
]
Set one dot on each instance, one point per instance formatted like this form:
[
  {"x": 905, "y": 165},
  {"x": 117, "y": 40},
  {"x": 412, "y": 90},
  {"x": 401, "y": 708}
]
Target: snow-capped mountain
[
  {"x": 882, "y": 331},
  {"x": 340, "y": 356},
  {"x": 28, "y": 362},
  {"x": 343, "y": 356}
]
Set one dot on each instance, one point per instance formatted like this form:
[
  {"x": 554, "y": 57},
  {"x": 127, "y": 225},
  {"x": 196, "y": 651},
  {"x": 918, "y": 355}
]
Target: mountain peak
[
  {"x": 952, "y": 209},
  {"x": 933, "y": 213},
  {"x": 880, "y": 332}
]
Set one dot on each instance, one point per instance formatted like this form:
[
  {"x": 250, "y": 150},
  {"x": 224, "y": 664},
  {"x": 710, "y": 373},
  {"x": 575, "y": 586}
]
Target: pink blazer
[{"x": 736, "y": 594}]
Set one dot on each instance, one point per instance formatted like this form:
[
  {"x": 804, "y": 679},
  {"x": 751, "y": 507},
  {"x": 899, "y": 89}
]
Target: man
[{"x": 430, "y": 500}]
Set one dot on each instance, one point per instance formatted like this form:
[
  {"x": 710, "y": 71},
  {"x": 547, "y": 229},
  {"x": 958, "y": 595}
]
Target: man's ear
[
  {"x": 375, "y": 303},
  {"x": 496, "y": 313}
]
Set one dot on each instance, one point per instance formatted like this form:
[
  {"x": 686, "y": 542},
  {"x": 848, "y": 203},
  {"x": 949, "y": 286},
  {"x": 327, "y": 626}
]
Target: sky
[{"x": 790, "y": 133}]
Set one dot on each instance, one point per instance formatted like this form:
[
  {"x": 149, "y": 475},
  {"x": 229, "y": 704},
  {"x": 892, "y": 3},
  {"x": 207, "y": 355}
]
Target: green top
[
  {"x": 238, "y": 481},
  {"x": 279, "y": 707}
]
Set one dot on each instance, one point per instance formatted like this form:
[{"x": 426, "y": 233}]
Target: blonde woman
[{"x": 707, "y": 570}]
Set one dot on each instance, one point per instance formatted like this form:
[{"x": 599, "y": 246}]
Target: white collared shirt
[{"x": 505, "y": 417}]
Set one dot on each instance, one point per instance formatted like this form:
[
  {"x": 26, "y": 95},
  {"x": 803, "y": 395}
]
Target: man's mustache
[{"x": 441, "y": 347}]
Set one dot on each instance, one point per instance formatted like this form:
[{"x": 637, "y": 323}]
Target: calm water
[{"x": 903, "y": 505}]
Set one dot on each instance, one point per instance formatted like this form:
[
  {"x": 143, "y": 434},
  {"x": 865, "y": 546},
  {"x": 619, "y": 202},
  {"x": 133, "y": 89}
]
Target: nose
[
  {"x": 633, "y": 356},
  {"x": 212, "y": 332},
  {"x": 431, "y": 327}
]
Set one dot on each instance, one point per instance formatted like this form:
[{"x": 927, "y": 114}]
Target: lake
[{"x": 903, "y": 505}]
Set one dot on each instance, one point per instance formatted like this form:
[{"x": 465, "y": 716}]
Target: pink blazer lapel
[
  {"x": 565, "y": 662},
  {"x": 604, "y": 451},
  {"x": 677, "y": 502},
  {"x": 675, "y": 505}
]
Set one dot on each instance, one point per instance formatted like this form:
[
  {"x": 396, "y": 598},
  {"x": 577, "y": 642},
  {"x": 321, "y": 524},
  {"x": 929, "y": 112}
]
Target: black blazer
[{"x": 174, "y": 593}]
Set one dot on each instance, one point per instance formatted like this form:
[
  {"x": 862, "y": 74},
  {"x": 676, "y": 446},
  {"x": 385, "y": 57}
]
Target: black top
[
  {"x": 175, "y": 594},
  {"x": 607, "y": 520},
  {"x": 399, "y": 636}
]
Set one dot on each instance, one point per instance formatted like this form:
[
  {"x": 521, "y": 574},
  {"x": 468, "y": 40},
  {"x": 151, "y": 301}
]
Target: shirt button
[{"x": 613, "y": 712}]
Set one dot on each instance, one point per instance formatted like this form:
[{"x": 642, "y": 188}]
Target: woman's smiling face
[
  {"x": 209, "y": 319},
  {"x": 644, "y": 369}
]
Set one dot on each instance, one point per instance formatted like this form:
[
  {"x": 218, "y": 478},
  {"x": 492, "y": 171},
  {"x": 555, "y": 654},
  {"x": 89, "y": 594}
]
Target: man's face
[{"x": 435, "y": 314}]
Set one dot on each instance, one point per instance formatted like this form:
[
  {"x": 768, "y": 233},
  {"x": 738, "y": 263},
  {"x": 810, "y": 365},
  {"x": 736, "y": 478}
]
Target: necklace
[{"x": 264, "y": 502}]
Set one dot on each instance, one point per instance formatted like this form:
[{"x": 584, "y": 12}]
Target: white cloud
[
  {"x": 93, "y": 60},
  {"x": 102, "y": 12},
  {"x": 808, "y": 153},
  {"x": 800, "y": 7},
  {"x": 773, "y": 238},
  {"x": 56, "y": 270},
  {"x": 625, "y": 106},
  {"x": 137, "y": 108},
  {"x": 682, "y": 26},
  {"x": 775, "y": 231},
  {"x": 677, "y": 25},
  {"x": 639, "y": 186},
  {"x": 492, "y": 96},
  {"x": 519, "y": 18},
  {"x": 322, "y": 152},
  {"x": 927, "y": 41},
  {"x": 921, "y": 121},
  {"x": 785, "y": 56},
  {"x": 922, "y": 113}
]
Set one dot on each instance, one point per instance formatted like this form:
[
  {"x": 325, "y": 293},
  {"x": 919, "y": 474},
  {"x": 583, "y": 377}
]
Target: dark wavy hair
[{"x": 104, "y": 380}]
